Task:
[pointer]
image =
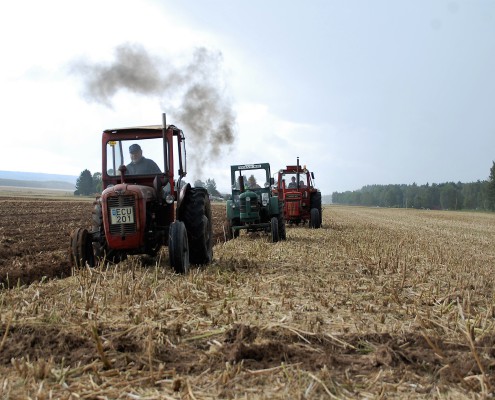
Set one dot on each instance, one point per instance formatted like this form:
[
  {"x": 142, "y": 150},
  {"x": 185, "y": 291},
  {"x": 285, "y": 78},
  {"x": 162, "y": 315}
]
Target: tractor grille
[
  {"x": 292, "y": 208},
  {"x": 255, "y": 207},
  {"x": 122, "y": 201}
]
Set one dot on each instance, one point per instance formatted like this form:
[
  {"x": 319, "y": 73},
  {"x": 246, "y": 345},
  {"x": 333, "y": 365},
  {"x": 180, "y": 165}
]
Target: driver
[
  {"x": 140, "y": 165},
  {"x": 292, "y": 184}
]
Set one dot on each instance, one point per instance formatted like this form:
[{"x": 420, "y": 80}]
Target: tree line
[
  {"x": 478, "y": 195},
  {"x": 89, "y": 184}
]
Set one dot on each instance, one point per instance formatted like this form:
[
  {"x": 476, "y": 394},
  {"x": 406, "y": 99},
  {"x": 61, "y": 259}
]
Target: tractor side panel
[
  {"x": 232, "y": 212},
  {"x": 274, "y": 210}
]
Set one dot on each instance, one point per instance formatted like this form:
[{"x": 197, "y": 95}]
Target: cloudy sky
[{"x": 364, "y": 92}]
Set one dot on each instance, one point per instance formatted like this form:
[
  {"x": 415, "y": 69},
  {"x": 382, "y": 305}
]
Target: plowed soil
[
  {"x": 35, "y": 235},
  {"x": 375, "y": 304}
]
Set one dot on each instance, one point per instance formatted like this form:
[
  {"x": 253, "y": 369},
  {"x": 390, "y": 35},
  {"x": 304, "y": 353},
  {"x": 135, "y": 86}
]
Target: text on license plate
[{"x": 121, "y": 215}]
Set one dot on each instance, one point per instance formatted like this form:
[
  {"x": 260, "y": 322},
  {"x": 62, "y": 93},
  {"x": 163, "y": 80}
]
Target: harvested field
[{"x": 379, "y": 303}]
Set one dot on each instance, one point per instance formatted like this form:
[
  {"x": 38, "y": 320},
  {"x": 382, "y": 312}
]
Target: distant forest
[{"x": 443, "y": 196}]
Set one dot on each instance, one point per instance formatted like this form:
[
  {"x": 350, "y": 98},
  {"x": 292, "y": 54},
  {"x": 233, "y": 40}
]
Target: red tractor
[
  {"x": 142, "y": 207},
  {"x": 301, "y": 199}
]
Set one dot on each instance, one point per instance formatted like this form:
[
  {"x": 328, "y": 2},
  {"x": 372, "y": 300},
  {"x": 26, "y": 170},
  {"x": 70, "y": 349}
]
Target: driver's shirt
[{"x": 142, "y": 167}]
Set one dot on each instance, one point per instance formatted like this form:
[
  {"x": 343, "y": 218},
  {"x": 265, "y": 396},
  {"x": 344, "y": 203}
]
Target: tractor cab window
[
  {"x": 253, "y": 179},
  {"x": 141, "y": 157},
  {"x": 295, "y": 181}
]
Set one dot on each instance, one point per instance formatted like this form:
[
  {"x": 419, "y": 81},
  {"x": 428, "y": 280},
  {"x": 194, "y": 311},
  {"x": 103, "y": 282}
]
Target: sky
[{"x": 362, "y": 91}]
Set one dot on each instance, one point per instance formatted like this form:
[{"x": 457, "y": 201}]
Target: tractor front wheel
[
  {"x": 227, "y": 228},
  {"x": 178, "y": 247},
  {"x": 81, "y": 248},
  {"x": 229, "y": 232},
  {"x": 274, "y": 229}
]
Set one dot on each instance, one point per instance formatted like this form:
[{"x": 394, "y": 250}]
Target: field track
[{"x": 379, "y": 303}]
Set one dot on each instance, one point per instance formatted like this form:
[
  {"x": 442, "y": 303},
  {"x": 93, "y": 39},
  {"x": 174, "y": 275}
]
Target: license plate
[{"x": 121, "y": 215}]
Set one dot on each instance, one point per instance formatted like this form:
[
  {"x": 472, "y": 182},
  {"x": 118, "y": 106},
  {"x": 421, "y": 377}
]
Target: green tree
[
  {"x": 491, "y": 188},
  {"x": 448, "y": 196},
  {"x": 97, "y": 182},
  {"x": 211, "y": 186},
  {"x": 84, "y": 184},
  {"x": 252, "y": 184}
]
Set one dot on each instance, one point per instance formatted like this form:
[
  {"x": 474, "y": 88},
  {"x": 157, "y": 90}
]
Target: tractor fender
[{"x": 182, "y": 195}]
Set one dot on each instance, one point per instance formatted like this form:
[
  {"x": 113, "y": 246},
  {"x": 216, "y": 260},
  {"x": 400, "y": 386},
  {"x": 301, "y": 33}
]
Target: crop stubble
[{"x": 377, "y": 302}]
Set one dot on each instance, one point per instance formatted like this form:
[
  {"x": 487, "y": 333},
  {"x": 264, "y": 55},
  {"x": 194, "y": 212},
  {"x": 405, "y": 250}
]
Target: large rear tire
[
  {"x": 196, "y": 214},
  {"x": 178, "y": 247},
  {"x": 315, "y": 202},
  {"x": 315, "y": 219},
  {"x": 81, "y": 248}
]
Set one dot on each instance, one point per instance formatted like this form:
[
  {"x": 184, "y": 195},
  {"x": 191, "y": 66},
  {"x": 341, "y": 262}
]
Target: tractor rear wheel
[
  {"x": 274, "y": 229},
  {"x": 316, "y": 203},
  {"x": 81, "y": 248},
  {"x": 315, "y": 219},
  {"x": 178, "y": 247},
  {"x": 196, "y": 214}
]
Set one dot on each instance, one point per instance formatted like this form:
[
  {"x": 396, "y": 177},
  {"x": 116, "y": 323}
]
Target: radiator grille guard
[
  {"x": 293, "y": 208},
  {"x": 122, "y": 201}
]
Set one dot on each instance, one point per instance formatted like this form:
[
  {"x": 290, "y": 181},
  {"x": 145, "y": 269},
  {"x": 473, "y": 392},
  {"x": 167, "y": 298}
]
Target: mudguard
[{"x": 182, "y": 196}]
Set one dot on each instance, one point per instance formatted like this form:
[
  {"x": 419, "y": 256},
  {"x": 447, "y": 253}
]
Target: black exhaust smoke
[{"x": 205, "y": 110}]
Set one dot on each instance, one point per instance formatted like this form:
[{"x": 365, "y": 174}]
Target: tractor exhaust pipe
[
  {"x": 297, "y": 174},
  {"x": 241, "y": 183},
  {"x": 165, "y": 144}
]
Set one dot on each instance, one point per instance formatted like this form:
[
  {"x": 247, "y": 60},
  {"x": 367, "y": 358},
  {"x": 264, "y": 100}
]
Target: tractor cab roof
[
  {"x": 139, "y": 132},
  {"x": 135, "y": 128},
  {"x": 243, "y": 167},
  {"x": 293, "y": 169}
]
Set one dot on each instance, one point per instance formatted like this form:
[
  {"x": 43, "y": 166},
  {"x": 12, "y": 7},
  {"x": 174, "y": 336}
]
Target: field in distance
[{"x": 378, "y": 303}]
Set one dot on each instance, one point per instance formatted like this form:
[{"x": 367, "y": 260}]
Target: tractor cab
[{"x": 139, "y": 155}]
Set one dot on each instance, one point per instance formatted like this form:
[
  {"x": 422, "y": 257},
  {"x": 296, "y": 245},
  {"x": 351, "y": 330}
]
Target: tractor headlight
[
  {"x": 264, "y": 199},
  {"x": 169, "y": 199},
  {"x": 235, "y": 202}
]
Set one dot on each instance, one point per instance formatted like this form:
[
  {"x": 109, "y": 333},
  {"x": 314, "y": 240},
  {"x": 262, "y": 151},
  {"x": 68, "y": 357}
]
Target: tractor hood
[{"x": 143, "y": 192}]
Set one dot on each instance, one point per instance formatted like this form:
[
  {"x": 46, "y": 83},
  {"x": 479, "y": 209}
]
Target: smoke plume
[{"x": 205, "y": 110}]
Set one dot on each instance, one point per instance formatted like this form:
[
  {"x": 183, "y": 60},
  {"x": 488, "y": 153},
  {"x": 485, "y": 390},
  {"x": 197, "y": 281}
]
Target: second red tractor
[{"x": 301, "y": 199}]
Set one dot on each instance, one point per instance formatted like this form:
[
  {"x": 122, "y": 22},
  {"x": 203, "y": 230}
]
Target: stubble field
[{"x": 379, "y": 303}]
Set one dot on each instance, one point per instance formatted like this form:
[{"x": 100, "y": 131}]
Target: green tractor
[{"x": 253, "y": 206}]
